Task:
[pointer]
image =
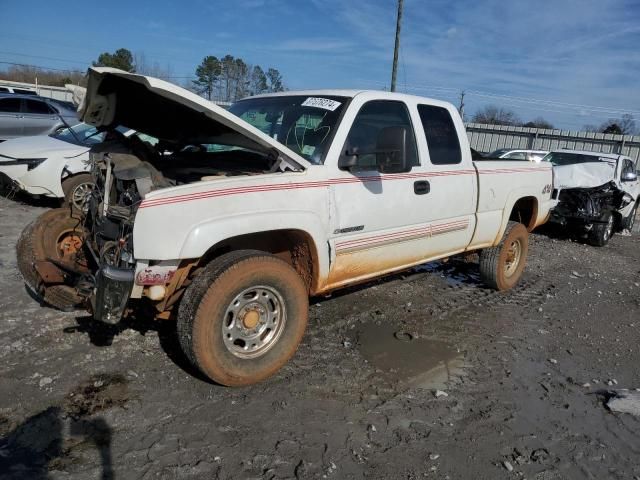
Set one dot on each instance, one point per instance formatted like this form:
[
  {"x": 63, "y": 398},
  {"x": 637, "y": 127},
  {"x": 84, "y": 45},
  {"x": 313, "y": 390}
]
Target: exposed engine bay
[{"x": 125, "y": 170}]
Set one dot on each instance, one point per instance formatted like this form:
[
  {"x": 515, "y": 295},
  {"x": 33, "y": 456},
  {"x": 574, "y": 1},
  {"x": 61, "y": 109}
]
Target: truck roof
[{"x": 350, "y": 93}]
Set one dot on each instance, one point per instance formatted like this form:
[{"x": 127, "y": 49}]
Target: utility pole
[
  {"x": 461, "y": 107},
  {"x": 394, "y": 70}
]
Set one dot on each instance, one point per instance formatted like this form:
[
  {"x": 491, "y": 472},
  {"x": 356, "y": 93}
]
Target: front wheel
[
  {"x": 243, "y": 317},
  {"x": 501, "y": 267},
  {"x": 77, "y": 190},
  {"x": 601, "y": 232},
  {"x": 53, "y": 235}
]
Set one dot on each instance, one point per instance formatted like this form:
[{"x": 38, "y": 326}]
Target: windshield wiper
[{"x": 75, "y": 135}]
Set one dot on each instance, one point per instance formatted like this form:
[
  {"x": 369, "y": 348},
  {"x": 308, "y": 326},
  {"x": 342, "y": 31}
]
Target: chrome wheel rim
[
  {"x": 254, "y": 321},
  {"x": 514, "y": 253},
  {"x": 80, "y": 195},
  {"x": 609, "y": 228}
]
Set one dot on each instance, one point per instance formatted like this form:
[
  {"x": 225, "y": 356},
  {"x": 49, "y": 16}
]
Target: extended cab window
[
  {"x": 441, "y": 133},
  {"x": 371, "y": 119}
]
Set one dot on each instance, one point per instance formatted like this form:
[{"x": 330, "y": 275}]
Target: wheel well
[
  {"x": 525, "y": 211},
  {"x": 293, "y": 246},
  {"x": 72, "y": 175}
]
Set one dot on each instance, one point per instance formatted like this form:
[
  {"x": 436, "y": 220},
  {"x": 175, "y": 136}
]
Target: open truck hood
[
  {"x": 171, "y": 113},
  {"x": 584, "y": 175}
]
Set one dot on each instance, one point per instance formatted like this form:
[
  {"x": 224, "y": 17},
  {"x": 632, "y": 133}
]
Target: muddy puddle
[
  {"x": 409, "y": 359},
  {"x": 455, "y": 274}
]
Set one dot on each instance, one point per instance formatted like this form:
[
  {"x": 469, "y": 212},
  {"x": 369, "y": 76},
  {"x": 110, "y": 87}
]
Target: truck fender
[
  {"x": 512, "y": 198},
  {"x": 211, "y": 232}
]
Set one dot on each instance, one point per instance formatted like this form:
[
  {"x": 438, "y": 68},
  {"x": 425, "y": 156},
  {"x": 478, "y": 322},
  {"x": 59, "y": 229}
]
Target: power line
[
  {"x": 39, "y": 67},
  {"x": 552, "y": 103},
  {"x": 45, "y": 58}
]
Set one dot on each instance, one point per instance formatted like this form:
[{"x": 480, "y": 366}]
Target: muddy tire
[
  {"x": 601, "y": 233},
  {"x": 501, "y": 267},
  {"x": 243, "y": 317},
  {"x": 76, "y": 189},
  {"x": 42, "y": 239}
]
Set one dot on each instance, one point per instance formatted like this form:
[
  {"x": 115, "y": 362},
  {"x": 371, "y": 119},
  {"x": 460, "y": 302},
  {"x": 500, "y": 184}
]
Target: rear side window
[
  {"x": 516, "y": 156},
  {"x": 10, "y": 105},
  {"x": 4, "y": 89},
  {"x": 34, "y": 106},
  {"x": 441, "y": 133}
]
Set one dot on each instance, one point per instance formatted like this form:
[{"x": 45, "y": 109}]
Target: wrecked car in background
[
  {"x": 597, "y": 193},
  {"x": 234, "y": 218}
]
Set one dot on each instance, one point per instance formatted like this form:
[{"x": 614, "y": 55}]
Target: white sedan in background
[
  {"x": 515, "y": 154},
  {"x": 54, "y": 166}
]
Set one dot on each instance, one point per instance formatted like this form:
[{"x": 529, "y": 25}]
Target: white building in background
[{"x": 49, "y": 91}]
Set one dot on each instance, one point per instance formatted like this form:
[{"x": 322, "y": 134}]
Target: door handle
[{"x": 421, "y": 187}]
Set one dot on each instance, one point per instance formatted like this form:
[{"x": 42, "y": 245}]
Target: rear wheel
[
  {"x": 77, "y": 190},
  {"x": 243, "y": 317},
  {"x": 501, "y": 267},
  {"x": 601, "y": 232},
  {"x": 53, "y": 235}
]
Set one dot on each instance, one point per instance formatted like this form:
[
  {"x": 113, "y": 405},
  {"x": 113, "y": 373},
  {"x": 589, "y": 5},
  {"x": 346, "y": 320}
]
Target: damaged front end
[
  {"x": 584, "y": 207},
  {"x": 123, "y": 175}
]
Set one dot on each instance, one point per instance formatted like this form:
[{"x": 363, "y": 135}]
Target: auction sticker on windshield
[{"x": 317, "y": 102}]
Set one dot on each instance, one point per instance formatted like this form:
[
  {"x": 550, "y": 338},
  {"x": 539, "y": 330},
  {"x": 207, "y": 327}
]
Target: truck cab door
[
  {"x": 446, "y": 156},
  {"x": 381, "y": 222}
]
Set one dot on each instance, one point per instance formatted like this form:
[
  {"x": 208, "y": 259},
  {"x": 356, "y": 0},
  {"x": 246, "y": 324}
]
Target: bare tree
[
  {"x": 31, "y": 74},
  {"x": 493, "y": 115},
  {"x": 144, "y": 67},
  {"x": 539, "y": 122}
]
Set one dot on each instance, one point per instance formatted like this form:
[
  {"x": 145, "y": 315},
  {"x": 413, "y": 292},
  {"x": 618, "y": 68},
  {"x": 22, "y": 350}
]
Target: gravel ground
[{"x": 422, "y": 375}]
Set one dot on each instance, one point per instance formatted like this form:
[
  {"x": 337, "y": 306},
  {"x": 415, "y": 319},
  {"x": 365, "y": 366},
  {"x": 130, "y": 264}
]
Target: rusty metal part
[
  {"x": 177, "y": 284},
  {"x": 49, "y": 273},
  {"x": 69, "y": 244},
  {"x": 251, "y": 319},
  {"x": 165, "y": 315}
]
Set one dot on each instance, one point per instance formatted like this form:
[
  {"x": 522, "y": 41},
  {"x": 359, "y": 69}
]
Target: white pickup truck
[{"x": 234, "y": 218}]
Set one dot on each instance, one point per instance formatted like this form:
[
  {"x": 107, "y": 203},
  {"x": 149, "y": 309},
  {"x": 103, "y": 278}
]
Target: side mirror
[
  {"x": 629, "y": 177},
  {"x": 391, "y": 150},
  {"x": 348, "y": 160}
]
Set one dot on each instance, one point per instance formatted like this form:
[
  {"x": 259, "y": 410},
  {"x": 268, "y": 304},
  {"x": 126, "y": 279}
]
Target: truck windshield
[
  {"x": 305, "y": 124},
  {"x": 565, "y": 158}
]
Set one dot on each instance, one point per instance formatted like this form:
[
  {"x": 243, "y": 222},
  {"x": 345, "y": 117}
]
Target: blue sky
[{"x": 571, "y": 61}]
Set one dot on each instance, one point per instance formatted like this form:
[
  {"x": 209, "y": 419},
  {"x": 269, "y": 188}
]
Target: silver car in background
[{"x": 28, "y": 115}]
